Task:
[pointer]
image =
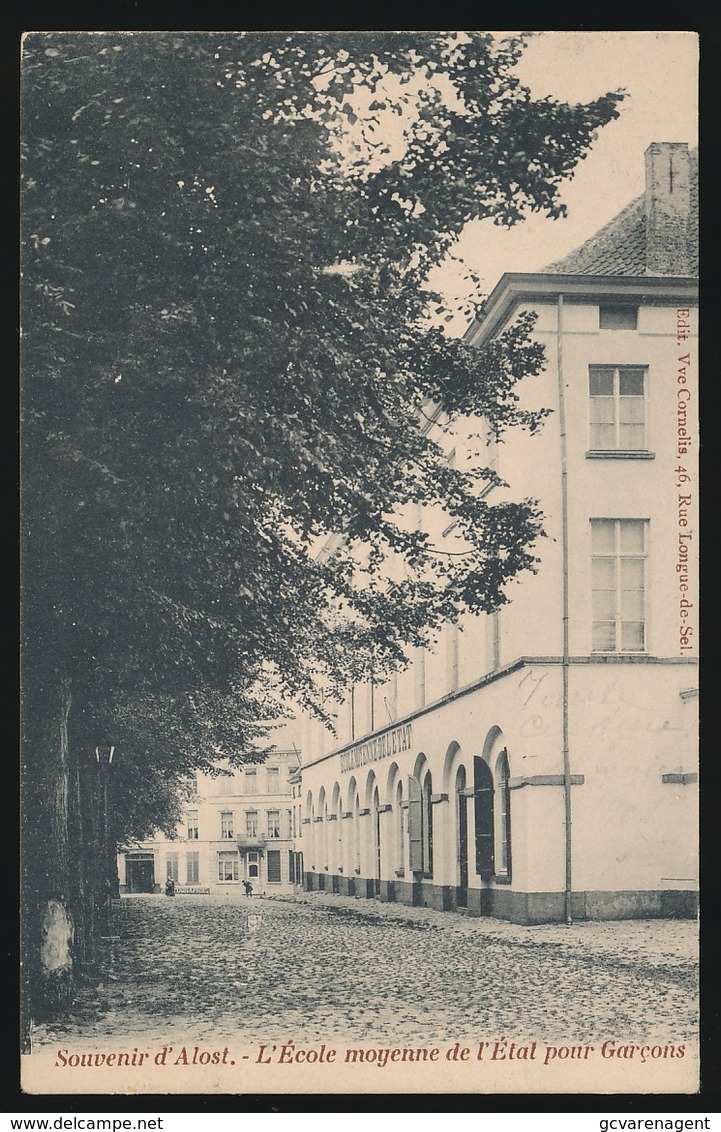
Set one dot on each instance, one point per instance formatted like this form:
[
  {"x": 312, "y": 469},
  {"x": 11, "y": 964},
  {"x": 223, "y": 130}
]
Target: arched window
[
  {"x": 400, "y": 831},
  {"x": 321, "y": 845},
  {"x": 308, "y": 822},
  {"x": 337, "y": 832},
  {"x": 503, "y": 810},
  {"x": 357, "y": 834},
  {"x": 427, "y": 824},
  {"x": 376, "y": 814},
  {"x": 462, "y": 835},
  {"x": 483, "y": 814}
]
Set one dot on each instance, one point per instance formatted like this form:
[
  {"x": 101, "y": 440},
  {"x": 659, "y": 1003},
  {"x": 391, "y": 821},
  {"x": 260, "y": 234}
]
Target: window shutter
[
  {"x": 483, "y": 813},
  {"x": 273, "y": 866},
  {"x": 415, "y": 825}
]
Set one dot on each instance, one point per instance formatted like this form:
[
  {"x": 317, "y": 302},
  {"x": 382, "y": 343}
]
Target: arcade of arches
[{"x": 407, "y": 834}]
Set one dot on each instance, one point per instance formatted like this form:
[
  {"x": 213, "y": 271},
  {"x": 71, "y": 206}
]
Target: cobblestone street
[{"x": 318, "y": 966}]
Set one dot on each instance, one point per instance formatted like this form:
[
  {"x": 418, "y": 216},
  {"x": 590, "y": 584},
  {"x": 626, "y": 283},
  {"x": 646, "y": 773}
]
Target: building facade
[
  {"x": 236, "y": 827},
  {"x": 540, "y": 763}
]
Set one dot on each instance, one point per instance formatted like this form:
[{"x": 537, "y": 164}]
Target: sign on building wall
[{"x": 373, "y": 750}]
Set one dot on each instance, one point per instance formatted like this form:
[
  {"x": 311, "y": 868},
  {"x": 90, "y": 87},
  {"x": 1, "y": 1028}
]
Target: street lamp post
[{"x": 105, "y": 761}]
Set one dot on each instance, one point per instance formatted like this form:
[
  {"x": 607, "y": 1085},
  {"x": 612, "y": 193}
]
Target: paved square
[{"x": 319, "y": 967}]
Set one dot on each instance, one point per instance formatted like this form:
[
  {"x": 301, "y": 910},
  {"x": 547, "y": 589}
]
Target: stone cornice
[
  {"x": 520, "y": 287},
  {"x": 500, "y": 674}
]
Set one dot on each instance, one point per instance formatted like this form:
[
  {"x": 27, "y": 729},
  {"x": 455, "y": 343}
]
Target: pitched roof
[{"x": 619, "y": 248}]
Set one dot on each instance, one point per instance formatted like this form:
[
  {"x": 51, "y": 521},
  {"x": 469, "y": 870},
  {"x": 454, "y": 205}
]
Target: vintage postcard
[{"x": 360, "y": 602}]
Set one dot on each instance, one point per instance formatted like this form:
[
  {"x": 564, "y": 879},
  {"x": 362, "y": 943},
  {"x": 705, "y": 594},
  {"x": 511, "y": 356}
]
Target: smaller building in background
[{"x": 237, "y": 827}]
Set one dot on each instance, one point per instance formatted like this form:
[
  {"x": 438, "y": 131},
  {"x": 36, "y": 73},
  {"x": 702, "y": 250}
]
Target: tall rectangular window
[
  {"x": 452, "y": 632},
  {"x": 223, "y": 785},
  {"x": 618, "y": 564},
  {"x": 496, "y": 641},
  {"x": 251, "y": 781},
  {"x": 273, "y": 779},
  {"x": 351, "y": 712},
  {"x": 493, "y": 641},
  {"x": 192, "y": 825},
  {"x": 390, "y": 699},
  {"x": 419, "y": 672},
  {"x": 171, "y": 866},
  {"x": 227, "y": 825},
  {"x": 618, "y": 411},
  {"x": 192, "y": 868},
  {"x": 251, "y": 823},
  {"x": 273, "y": 824},
  {"x": 227, "y": 867},
  {"x": 273, "y": 866}
]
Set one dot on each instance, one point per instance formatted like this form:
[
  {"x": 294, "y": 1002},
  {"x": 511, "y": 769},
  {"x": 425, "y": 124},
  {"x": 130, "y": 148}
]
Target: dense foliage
[
  {"x": 228, "y": 356},
  {"x": 205, "y": 399}
]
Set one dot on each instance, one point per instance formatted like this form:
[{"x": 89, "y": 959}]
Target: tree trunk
[
  {"x": 58, "y": 929},
  {"x": 48, "y": 921}
]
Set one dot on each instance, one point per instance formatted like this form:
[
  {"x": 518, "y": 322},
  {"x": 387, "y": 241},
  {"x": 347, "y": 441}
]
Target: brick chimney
[{"x": 668, "y": 207}]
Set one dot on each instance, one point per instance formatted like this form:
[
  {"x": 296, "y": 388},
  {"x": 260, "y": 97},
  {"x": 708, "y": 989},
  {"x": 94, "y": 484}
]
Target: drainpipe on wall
[{"x": 568, "y": 887}]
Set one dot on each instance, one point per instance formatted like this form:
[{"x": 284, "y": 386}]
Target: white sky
[{"x": 659, "y": 72}]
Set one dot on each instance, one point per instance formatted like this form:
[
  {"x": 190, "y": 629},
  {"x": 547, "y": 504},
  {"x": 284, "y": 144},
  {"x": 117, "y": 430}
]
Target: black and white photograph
[{"x": 359, "y": 423}]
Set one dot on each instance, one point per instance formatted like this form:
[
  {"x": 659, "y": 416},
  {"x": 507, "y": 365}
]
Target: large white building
[{"x": 541, "y": 762}]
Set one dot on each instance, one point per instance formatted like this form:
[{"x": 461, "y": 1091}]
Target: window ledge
[
  {"x": 629, "y": 655},
  {"x": 620, "y": 454}
]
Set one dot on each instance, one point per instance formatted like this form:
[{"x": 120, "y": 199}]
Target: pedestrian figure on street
[
  {"x": 170, "y": 887},
  {"x": 248, "y": 888}
]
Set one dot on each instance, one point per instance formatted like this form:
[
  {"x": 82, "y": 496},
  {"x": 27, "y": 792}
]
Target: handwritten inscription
[{"x": 605, "y": 708}]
